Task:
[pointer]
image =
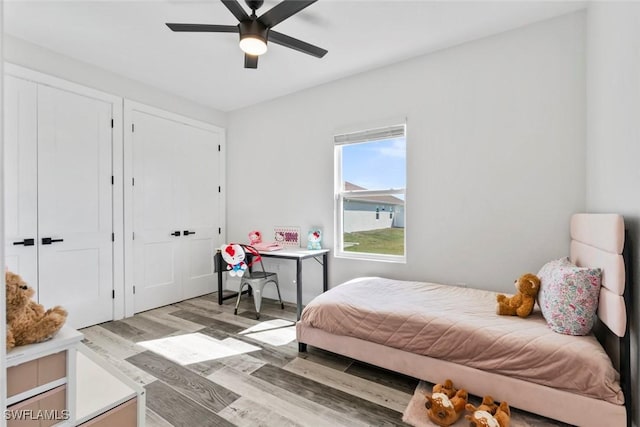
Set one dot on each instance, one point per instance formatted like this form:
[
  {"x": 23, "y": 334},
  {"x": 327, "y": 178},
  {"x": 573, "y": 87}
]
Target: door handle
[
  {"x": 26, "y": 242},
  {"x": 49, "y": 240},
  {"x": 175, "y": 233},
  {"x": 187, "y": 232}
]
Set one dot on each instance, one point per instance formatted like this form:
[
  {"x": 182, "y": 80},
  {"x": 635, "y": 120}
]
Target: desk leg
[
  {"x": 325, "y": 271},
  {"x": 299, "y": 287},
  {"x": 220, "y": 285}
]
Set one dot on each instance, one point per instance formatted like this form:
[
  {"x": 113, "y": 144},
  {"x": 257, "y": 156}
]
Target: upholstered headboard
[{"x": 597, "y": 240}]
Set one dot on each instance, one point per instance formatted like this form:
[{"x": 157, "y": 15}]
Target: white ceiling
[{"x": 129, "y": 38}]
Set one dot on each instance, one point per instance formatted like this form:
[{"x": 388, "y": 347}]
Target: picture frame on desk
[{"x": 287, "y": 236}]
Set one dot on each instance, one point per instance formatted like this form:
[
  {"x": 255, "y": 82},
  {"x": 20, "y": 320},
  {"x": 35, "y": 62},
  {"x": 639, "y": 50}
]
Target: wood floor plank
[
  {"x": 356, "y": 386},
  {"x": 249, "y": 413},
  {"x": 124, "y": 330},
  {"x": 207, "y": 321},
  {"x": 210, "y": 306},
  {"x": 118, "y": 347},
  {"x": 131, "y": 371},
  {"x": 185, "y": 305},
  {"x": 382, "y": 376},
  {"x": 354, "y": 407},
  {"x": 278, "y": 356},
  {"x": 154, "y": 420},
  {"x": 326, "y": 358},
  {"x": 283, "y": 402},
  {"x": 179, "y": 410},
  {"x": 189, "y": 383},
  {"x": 163, "y": 315},
  {"x": 241, "y": 362},
  {"x": 152, "y": 329}
]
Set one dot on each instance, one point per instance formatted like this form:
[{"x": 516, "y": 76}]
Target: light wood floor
[{"x": 271, "y": 386}]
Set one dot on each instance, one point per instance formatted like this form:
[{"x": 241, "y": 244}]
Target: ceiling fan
[{"x": 256, "y": 31}]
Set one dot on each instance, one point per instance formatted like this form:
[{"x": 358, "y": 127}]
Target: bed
[{"x": 432, "y": 331}]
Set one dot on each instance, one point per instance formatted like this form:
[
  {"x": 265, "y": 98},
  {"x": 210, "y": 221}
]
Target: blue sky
[{"x": 375, "y": 165}]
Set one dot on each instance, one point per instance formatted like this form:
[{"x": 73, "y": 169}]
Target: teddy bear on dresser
[
  {"x": 521, "y": 304},
  {"x": 27, "y": 321}
]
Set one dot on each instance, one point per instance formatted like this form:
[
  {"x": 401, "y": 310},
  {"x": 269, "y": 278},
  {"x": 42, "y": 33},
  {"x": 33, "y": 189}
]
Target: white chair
[{"x": 256, "y": 279}]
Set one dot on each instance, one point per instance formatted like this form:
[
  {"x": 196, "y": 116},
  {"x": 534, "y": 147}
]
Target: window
[{"x": 370, "y": 186}]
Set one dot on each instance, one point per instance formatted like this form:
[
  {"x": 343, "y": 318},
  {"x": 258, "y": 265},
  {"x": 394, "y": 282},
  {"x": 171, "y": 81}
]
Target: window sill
[{"x": 362, "y": 256}]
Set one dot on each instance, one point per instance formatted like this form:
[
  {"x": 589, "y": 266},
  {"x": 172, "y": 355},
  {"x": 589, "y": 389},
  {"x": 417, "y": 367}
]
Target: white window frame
[{"x": 340, "y": 194}]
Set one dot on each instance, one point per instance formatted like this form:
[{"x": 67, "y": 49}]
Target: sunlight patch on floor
[
  {"x": 275, "y": 337},
  {"x": 269, "y": 324},
  {"x": 197, "y": 347}
]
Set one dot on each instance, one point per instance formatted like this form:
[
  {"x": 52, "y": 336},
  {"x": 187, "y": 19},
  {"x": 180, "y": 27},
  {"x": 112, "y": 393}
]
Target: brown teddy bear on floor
[
  {"x": 521, "y": 304},
  {"x": 27, "y": 321},
  {"x": 446, "y": 404},
  {"x": 482, "y": 418}
]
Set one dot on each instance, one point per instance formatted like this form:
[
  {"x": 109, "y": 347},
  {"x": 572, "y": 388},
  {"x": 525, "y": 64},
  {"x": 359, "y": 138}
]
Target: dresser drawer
[
  {"x": 43, "y": 410},
  {"x": 35, "y": 373},
  {"x": 123, "y": 415}
]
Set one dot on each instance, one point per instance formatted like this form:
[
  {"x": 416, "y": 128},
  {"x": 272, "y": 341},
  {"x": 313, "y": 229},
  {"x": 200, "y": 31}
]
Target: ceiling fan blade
[
  {"x": 299, "y": 45},
  {"x": 283, "y": 10},
  {"x": 237, "y": 10},
  {"x": 203, "y": 28},
  {"x": 250, "y": 61}
]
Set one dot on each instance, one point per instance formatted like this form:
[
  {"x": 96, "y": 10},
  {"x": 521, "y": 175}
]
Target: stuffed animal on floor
[
  {"x": 446, "y": 404},
  {"x": 502, "y": 417},
  {"x": 488, "y": 405},
  {"x": 521, "y": 304},
  {"x": 27, "y": 321}
]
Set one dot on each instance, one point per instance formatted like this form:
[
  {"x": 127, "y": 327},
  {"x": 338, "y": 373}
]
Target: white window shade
[{"x": 387, "y": 132}]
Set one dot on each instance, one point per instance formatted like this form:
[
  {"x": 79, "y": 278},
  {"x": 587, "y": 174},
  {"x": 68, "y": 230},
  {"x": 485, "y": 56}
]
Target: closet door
[
  {"x": 157, "y": 233},
  {"x": 20, "y": 178},
  {"x": 175, "y": 208},
  {"x": 199, "y": 209},
  {"x": 75, "y": 205}
]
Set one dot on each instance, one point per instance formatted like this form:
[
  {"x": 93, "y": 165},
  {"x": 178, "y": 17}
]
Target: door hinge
[
  {"x": 134, "y": 289},
  {"x": 133, "y": 236},
  {"x": 113, "y": 237},
  {"x": 219, "y": 230},
  {"x": 133, "y": 127},
  {"x": 133, "y": 181},
  {"x": 219, "y": 189},
  {"x": 113, "y": 294},
  {"x": 111, "y": 179},
  {"x": 218, "y": 147},
  {"x": 111, "y": 123}
]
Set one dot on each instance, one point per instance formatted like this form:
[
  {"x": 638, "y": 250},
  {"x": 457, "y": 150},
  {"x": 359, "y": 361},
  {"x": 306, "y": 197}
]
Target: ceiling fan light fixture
[
  {"x": 253, "y": 37},
  {"x": 253, "y": 45}
]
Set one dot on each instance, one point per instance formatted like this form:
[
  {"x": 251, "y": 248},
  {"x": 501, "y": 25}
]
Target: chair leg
[
  {"x": 235, "y": 311},
  {"x": 257, "y": 298},
  {"x": 279, "y": 297}
]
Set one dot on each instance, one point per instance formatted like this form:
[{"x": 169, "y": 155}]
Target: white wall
[
  {"x": 3, "y": 326},
  {"x": 21, "y": 52},
  {"x": 613, "y": 131},
  {"x": 496, "y": 157}
]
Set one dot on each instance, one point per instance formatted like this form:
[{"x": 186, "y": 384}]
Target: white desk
[{"x": 297, "y": 254}]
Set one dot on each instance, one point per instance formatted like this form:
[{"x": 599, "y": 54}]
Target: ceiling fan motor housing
[{"x": 253, "y": 28}]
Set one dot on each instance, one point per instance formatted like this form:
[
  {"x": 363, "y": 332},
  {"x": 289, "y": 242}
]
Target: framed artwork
[{"x": 287, "y": 236}]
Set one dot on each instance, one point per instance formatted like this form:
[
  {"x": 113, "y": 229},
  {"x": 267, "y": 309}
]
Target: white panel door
[
  {"x": 156, "y": 250},
  {"x": 20, "y": 178},
  {"x": 175, "y": 209},
  {"x": 75, "y": 205},
  {"x": 199, "y": 209}
]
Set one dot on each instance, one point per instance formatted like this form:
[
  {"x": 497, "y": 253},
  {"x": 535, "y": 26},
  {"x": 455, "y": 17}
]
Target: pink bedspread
[{"x": 460, "y": 325}]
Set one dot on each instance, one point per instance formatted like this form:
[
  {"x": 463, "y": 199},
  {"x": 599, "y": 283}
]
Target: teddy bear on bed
[
  {"x": 521, "y": 304},
  {"x": 446, "y": 404},
  {"x": 27, "y": 321},
  {"x": 488, "y": 414}
]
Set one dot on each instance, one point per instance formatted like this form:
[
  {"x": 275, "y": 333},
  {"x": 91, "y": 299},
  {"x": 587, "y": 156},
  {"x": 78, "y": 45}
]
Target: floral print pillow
[{"x": 568, "y": 296}]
